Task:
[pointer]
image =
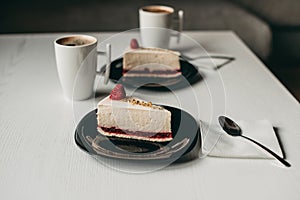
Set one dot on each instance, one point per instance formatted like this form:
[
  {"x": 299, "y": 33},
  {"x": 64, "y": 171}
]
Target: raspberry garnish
[
  {"x": 134, "y": 44},
  {"x": 118, "y": 93}
]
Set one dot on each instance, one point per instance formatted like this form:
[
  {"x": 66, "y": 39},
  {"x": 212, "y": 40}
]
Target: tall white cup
[
  {"x": 76, "y": 61},
  {"x": 156, "y": 24}
]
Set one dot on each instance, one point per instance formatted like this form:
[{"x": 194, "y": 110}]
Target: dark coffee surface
[
  {"x": 157, "y": 10},
  {"x": 74, "y": 41}
]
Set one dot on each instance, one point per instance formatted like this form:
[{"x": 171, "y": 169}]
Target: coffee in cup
[
  {"x": 75, "y": 41},
  {"x": 158, "y": 9}
]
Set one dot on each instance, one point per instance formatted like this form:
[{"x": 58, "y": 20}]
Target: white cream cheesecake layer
[
  {"x": 151, "y": 59},
  {"x": 126, "y": 116}
]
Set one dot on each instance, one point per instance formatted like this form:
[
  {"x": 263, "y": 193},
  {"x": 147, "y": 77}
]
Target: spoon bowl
[{"x": 233, "y": 129}]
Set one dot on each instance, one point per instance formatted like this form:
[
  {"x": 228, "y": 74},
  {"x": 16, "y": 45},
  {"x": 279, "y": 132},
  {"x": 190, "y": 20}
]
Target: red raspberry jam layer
[
  {"x": 166, "y": 72},
  {"x": 160, "y": 135}
]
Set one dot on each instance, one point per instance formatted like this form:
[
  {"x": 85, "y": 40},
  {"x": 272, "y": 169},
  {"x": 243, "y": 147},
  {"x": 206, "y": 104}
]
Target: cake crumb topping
[{"x": 134, "y": 101}]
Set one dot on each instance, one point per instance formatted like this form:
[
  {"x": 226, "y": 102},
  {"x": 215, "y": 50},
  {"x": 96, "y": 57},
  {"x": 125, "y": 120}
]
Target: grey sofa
[
  {"x": 247, "y": 20},
  {"x": 283, "y": 17}
]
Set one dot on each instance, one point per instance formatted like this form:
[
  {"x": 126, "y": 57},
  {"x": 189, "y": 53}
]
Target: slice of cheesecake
[
  {"x": 129, "y": 117},
  {"x": 151, "y": 62}
]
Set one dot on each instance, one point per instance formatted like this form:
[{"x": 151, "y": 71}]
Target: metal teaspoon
[{"x": 233, "y": 129}]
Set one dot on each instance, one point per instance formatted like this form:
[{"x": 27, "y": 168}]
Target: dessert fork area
[{"x": 39, "y": 158}]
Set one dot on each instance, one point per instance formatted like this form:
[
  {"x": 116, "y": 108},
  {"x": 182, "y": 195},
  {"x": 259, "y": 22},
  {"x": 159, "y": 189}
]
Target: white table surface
[{"x": 39, "y": 159}]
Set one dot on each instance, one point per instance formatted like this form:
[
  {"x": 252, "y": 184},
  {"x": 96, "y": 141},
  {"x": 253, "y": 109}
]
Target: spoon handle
[{"x": 287, "y": 164}]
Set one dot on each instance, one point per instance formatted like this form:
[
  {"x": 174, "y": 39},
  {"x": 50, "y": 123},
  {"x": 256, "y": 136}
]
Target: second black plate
[{"x": 189, "y": 76}]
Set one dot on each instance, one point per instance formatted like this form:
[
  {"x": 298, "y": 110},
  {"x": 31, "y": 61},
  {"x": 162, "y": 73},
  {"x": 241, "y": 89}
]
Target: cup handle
[
  {"x": 108, "y": 62},
  {"x": 180, "y": 24}
]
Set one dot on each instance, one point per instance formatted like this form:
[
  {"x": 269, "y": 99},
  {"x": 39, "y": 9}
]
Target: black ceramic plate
[
  {"x": 189, "y": 75},
  {"x": 185, "y": 130}
]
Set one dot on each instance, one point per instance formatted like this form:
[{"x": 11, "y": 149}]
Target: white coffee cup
[
  {"x": 156, "y": 24},
  {"x": 76, "y": 61}
]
